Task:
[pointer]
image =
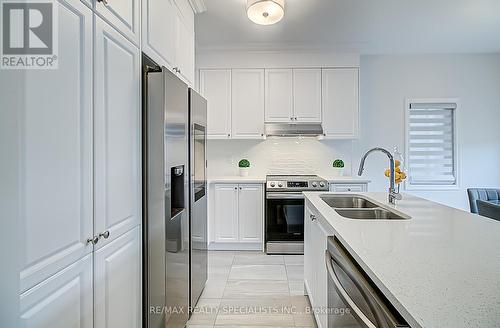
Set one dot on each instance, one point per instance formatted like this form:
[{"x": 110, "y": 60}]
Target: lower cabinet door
[
  {"x": 250, "y": 213},
  {"x": 309, "y": 256},
  {"x": 64, "y": 300},
  {"x": 117, "y": 282},
  {"x": 321, "y": 297},
  {"x": 226, "y": 212}
]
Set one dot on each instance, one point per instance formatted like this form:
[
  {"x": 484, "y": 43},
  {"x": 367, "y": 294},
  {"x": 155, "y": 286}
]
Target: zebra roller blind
[{"x": 431, "y": 144}]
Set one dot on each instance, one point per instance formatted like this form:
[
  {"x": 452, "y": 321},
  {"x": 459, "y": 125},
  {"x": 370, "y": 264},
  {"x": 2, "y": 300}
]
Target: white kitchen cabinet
[
  {"x": 239, "y": 214},
  {"x": 307, "y": 95},
  {"x": 247, "y": 103},
  {"x": 352, "y": 187},
  {"x": 117, "y": 153},
  {"x": 340, "y": 102},
  {"x": 279, "y": 95},
  {"x": 315, "y": 272},
  {"x": 56, "y": 149},
  {"x": 215, "y": 86},
  {"x": 61, "y": 301},
  {"x": 250, "y": 209},
  {"x": 123, "y": 15},
  {"x": 168, "y": 35},
  {"x": 293, "y": 95},
  {"x": 226, "y": 212},
  {"x": 117, "y": 282},
  {"x": 184, "y": 48},
  {"x": 158, "y": 31}
]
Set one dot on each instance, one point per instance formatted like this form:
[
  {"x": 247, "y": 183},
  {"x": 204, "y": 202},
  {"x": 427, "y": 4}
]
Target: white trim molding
[{"x": 198, "y": 6}]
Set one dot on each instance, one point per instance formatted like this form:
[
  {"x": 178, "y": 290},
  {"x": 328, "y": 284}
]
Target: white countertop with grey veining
[{"x": 440, "y": 269}]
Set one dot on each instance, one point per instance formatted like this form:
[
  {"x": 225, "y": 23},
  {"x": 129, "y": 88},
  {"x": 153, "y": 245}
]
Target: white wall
[{"x": 386, "y": 82}]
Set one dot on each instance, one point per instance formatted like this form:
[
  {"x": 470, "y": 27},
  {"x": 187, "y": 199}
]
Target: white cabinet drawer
[{"x": 358, "y": 187}]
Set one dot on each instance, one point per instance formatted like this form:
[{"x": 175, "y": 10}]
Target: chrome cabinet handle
[
  {"x": 295, "y": 118},
  {"x": 105, "y": 2},
  {"x": 312, "y": 216},
  {"x": 93, "y": 240},
  {"x": 105, "y": 234}
]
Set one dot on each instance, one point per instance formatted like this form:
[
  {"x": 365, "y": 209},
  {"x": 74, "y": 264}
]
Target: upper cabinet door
[
  {"x": 307, "y": 95},
  {"x": 215, "y": 86},
  {"x": 184, "y": 49},
  {"x": 63, "y": 300},
  {"x": 250, "y": 212},
  {"x": 117, "y": 154},
  {"x": 123, "y": 15},
  {"x": 158, "y": 31},
  {"x": 56, "y": 149},
  {"x": 247, "y": 103},
  {"x": 117, "y": 283},
  {"x": 226, "y": 212},
  {"x": 341, "y": 102},
  {"x": 279, "y": 88}
]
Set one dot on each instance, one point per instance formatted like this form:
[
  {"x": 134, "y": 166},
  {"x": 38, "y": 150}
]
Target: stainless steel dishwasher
[{"x": 353, "y": 299}]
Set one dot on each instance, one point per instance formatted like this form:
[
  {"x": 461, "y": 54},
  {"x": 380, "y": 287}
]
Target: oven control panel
[
  {"x": 297, "y": 184},
  {"x": 276, "y": 184}
]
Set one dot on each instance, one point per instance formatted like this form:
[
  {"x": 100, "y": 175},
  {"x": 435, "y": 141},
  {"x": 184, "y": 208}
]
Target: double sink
[{"x": 360, "y": 208}]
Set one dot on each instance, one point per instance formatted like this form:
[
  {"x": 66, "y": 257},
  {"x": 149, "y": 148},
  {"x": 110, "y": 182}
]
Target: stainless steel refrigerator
[
  {"x": 171, "y": 194},
  {"x": 198, "y": 195}
]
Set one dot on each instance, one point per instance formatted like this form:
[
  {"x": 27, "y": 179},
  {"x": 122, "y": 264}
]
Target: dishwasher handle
[{"x": 358, "y": 313}]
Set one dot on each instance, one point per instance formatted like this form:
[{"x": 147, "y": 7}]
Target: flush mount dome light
[{"x": 265, "y": 12}]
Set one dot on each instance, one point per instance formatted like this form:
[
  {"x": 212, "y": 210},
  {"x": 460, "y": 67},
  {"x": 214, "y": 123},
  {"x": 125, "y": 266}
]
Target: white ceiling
[{"x": 365, "y": 26}]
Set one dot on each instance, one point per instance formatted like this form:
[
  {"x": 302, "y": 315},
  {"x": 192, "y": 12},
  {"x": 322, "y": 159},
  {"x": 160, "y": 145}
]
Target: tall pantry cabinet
[{"x": 80, "y": 146}]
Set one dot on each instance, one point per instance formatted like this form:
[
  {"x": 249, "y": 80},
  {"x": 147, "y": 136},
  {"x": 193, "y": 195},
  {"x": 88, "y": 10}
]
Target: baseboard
[{"x": 235, "y": 247}]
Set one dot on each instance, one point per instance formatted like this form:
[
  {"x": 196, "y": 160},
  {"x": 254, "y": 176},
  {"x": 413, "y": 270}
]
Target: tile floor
[{"x": 252, "y": 289}]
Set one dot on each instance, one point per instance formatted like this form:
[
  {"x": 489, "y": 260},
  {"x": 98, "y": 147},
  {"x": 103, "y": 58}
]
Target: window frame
[{"x": 433, "y": 187}]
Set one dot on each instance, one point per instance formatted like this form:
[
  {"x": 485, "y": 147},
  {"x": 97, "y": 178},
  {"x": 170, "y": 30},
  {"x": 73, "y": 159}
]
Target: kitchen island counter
[{"x": 441, "y": 268}]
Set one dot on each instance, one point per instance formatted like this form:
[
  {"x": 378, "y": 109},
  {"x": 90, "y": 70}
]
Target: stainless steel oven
[
  {"x": 284, "y": 216},
  {"x": 353, "y": 299}
]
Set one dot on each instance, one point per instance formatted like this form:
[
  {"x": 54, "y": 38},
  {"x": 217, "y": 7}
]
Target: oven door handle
[{"x": 284, "y": 195}]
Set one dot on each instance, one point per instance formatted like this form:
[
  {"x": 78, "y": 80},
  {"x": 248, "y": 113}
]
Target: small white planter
[
  {"x": 244, "y": 171},
  {"x": 338, "y": 171}
]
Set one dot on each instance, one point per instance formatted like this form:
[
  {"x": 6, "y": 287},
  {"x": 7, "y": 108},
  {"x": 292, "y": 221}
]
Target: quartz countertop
[
  {"x": 441, "y": 268},
  {"x": 237, "y": 179},
  {"x": 345, "y": 179},
  {"x": 262, "y": 179}
]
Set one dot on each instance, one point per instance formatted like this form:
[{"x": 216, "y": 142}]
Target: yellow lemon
[
  {"x": 397, "y": 163},
  {"x": 387, "y": 173}
]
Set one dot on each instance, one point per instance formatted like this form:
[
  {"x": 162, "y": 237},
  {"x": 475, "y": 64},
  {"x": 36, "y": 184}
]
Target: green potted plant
[
  {"x": 338, "y": 167},
  {"x": 244, "y": 166}
]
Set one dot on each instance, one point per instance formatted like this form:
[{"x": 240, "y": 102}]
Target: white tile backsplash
[{"x": 278, "y": 156}]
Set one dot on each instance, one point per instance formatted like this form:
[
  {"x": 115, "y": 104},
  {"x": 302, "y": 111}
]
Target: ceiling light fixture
[{"x": 265, "y": 12}]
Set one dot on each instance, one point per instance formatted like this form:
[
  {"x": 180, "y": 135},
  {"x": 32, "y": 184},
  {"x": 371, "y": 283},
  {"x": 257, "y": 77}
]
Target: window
[{"x": 431, "y": 147}]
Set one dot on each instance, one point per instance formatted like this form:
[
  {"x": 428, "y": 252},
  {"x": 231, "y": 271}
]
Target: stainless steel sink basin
[
  {"x": 360, "y": 208},
  {"x": 347, "y": 202},
  {"x": 370, "y": 214}
]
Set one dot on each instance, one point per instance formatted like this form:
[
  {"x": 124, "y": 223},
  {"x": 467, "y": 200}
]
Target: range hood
[{"x": 294, "y": 129}]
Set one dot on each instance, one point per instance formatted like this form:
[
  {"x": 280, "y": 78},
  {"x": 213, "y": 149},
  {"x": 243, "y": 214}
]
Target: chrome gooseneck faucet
[{"x": 393, "y": 194}]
